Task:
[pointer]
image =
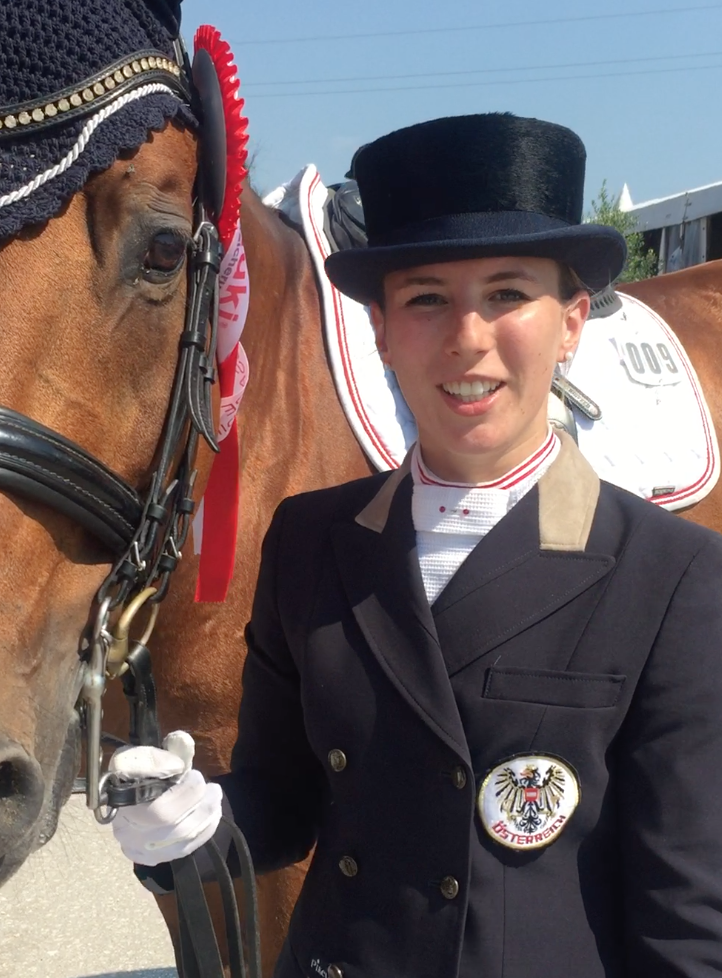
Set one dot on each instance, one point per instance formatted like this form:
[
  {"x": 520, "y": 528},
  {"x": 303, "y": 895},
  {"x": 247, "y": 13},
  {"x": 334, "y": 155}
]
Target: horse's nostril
[
  {"x": 21, "y": 793},
  {"x": 8, "y": 779},
  {"x": 16, "y": 780}
]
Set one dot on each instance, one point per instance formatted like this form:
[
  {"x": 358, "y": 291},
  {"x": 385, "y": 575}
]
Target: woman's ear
[
  {"x": 575, "y": 315},
  {"x": 378, "y": 321}
]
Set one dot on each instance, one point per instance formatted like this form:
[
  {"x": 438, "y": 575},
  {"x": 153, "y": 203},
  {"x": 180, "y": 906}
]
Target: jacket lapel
[
  {"x": 378, "y": 565},
  {"x": 529, "y": 565}
]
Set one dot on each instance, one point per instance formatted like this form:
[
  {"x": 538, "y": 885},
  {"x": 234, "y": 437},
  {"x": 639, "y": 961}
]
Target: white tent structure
[{"x": 684, "y": 229}]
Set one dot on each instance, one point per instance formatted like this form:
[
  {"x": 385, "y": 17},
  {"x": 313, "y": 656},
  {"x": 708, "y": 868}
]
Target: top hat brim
[{"x": 596, "y": 253}]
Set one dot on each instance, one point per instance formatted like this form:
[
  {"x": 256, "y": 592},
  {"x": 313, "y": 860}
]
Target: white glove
[{"x": 182, "y": 819}]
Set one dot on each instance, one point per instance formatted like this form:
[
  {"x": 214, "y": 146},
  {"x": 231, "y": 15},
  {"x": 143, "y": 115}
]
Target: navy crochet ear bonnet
[{"x": 80, "y": 82}]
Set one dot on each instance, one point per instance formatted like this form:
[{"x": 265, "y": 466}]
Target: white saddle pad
[{"x": 655, "y": 438}]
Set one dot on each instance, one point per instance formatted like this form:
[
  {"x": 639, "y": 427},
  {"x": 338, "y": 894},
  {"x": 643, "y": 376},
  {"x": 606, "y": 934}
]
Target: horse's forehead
[
  {"x": 168, "y": 161},
  {"x": 161, "y": 170}
]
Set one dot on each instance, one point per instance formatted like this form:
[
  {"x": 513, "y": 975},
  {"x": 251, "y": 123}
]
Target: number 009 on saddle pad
[{"x": 655, "y": 437}]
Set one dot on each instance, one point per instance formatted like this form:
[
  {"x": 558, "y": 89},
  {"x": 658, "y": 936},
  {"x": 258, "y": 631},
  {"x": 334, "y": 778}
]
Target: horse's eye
[{"x": 165, "y": 254}]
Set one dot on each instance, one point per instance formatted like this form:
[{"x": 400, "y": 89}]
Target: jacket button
[
  {"x": 333, "y": 971},
  {"x": 337, "y": 760},
  {"x": 458, "y": 778},
  {"x": 449, "y": 887},
  {"x": 348, "y": 866}
]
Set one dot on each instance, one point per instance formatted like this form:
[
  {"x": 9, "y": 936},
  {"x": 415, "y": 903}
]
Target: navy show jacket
[{"x": 588, "y": 625}]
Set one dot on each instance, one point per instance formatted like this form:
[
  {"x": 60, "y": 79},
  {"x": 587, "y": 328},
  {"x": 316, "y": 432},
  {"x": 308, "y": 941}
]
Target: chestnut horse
[{"x": 89, "y": 349}]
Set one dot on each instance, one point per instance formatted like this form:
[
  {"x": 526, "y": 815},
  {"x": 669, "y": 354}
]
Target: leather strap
[
  {"x": 200, "y": 956},
  {"x": 199, "y": 952},
  {"x": 139, "y": 689},
  {"x": 39, "y": 464},
  {"x": 145, "y": 535}
]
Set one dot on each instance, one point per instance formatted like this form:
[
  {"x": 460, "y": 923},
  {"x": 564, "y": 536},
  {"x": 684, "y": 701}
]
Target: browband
[{"x": 88, "y": 96}]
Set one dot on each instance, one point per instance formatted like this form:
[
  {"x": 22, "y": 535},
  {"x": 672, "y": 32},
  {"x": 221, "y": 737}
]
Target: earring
[{"x": 568, "y": 356}]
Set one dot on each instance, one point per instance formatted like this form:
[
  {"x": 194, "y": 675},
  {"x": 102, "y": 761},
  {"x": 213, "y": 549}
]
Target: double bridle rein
[{"x": 145, "y": 532}]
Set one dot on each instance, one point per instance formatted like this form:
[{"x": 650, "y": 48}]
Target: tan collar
[
  {"x": 568, "y": 495},
  {"x": 376, "y": 513}
]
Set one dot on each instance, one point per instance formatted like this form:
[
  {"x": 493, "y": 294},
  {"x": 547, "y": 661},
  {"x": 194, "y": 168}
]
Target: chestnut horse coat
[{"x": 587, "y": 624}]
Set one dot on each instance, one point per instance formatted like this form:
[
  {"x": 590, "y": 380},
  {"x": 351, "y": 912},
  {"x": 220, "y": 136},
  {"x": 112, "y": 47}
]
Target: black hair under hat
[
  {"x": 55, "y": 52},
  {"x": 472, "y": 187}
]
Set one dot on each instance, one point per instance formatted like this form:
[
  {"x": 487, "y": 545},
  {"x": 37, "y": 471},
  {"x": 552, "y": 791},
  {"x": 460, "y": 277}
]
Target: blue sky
[{"x": 650, "y": 114}]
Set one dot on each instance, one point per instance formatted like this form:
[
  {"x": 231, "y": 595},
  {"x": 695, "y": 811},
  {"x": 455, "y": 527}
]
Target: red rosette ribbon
[{"x": 216, "y": 524}]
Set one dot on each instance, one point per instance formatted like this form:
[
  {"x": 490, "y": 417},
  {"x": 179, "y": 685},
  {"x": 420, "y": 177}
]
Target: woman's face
[{"x": 474, "y": 344}]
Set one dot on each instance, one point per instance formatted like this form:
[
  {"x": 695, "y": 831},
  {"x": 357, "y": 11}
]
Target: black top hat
[{"x": 472, "y": 187}]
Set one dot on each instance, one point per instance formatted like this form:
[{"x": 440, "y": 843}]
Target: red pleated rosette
[
  {"x": 210, "y": 39},
  {"x": 218, "y": 521}
]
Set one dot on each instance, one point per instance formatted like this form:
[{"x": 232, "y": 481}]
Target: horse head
[{"x": 95, "y": 280}]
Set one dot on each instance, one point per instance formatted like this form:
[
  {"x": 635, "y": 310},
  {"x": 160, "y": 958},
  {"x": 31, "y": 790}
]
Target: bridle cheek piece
[{"x": 150, "y": 554}]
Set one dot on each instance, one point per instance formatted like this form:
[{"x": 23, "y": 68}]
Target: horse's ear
[{"x": 168, "y": 12}]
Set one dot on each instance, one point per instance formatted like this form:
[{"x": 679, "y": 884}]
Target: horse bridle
[{"x": 144, "y": 531}]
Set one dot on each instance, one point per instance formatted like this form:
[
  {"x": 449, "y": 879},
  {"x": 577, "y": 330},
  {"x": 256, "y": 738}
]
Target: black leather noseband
[{"x": 38, "y": 464}]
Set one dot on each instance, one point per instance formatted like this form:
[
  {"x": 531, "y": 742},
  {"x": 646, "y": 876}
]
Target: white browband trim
[{"x": 83, "y": 139}]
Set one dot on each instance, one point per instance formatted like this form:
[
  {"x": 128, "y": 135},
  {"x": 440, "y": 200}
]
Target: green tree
[{"x": 641, "y": 262}]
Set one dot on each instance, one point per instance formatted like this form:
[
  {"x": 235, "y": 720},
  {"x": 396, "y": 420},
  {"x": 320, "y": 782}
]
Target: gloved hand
[{"x": 182, "y": 819}]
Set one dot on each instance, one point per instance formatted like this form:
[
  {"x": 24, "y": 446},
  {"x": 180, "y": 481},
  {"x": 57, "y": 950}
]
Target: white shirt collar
[{"x": 439, "y": 506}]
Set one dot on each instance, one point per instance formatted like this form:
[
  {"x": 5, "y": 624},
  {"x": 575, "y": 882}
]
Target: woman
[{"x": 485, "y": 686}]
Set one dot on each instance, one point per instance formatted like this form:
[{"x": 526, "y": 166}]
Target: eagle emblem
[
  {"x": 525, "y": 801},
  {"x": 529, "y": 800}
]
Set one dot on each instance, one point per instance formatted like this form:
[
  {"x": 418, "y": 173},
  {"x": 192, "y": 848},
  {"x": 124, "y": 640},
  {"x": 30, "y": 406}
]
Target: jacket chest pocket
[
  {"x": 549, "y": 687},
  {"x": 515, "y": 710}
]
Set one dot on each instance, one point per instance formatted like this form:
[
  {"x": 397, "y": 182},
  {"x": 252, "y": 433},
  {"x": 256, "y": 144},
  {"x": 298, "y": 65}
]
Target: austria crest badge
[{"x": 527, "y": 800}]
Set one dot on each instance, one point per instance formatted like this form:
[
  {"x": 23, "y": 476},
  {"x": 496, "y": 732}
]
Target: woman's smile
[{"x": 470, "y": 399}]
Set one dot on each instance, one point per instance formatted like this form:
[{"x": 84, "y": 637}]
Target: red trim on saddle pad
[
  {"x": 368, "y": 427},
  {"x": 677, "y": 498}
]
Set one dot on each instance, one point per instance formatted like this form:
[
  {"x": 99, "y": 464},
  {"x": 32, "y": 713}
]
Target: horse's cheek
[{"x": 44, "y": 602}]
